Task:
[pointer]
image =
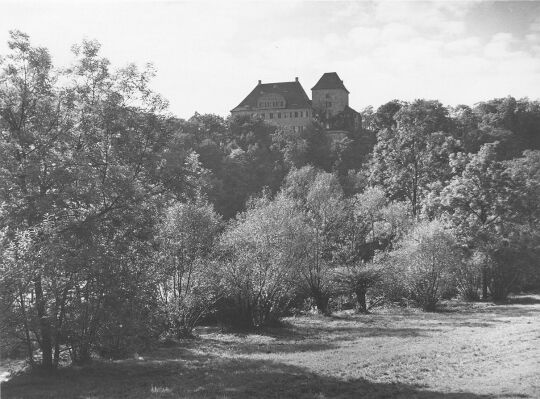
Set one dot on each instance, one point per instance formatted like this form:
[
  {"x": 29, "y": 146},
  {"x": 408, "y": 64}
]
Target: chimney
[
  {"x": 259, "y": 81},
  {"x": 296, "y": 79}
]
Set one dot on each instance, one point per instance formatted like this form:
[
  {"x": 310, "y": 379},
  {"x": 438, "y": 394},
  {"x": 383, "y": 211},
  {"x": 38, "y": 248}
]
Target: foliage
[
  {"x": 467, "y": 275},
  {"x": 413, "y": 154},
  {"x": 187, "y": 280},
  {"x": 319, "y": 198},
  {"x": 491, "y": 204},
  {"x": 79, "y": 150},
  {"x": 425, "y": 258},
  {"x": 262, "y": 252},
  {"x": 357, "y": 279},
  {"x": 111, "y": 210}
]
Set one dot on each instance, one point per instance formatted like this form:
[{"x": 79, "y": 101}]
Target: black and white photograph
[{"x": 279, "y": 199}]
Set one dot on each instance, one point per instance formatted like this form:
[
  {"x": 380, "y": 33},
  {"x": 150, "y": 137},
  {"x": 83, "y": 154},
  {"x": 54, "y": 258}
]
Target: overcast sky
[{"x": 209, "y": 55}]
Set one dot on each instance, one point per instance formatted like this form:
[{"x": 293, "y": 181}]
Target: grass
[{"x": 465, "y": 351}]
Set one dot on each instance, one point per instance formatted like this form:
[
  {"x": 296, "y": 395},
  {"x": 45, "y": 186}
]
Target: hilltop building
[{"x": 286, "y": 104}]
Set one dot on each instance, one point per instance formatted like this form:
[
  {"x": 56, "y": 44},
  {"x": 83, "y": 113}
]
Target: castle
[{"x": 286, "y": 104}]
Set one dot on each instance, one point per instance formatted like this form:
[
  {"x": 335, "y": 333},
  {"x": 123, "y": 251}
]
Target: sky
[{"x": 209, "y": 55}]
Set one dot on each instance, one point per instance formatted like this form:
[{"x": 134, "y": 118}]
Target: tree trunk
[
  {"x": 484, "y": 283},
  {"x": 29, "y": 348},
  {"x": 59, "y": 327},
  {"x": 321, "y": 301},
  {"x": 44, "y": 326},
  {"x": 361, "y": 306}
]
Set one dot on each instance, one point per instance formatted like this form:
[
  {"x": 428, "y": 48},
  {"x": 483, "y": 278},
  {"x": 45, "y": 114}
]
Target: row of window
[
  {"x": 279, "y": 115},
  {"x": 271, "y": 104}
]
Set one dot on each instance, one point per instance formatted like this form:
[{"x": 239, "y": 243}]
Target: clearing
[{"x": 465, "y": 351}]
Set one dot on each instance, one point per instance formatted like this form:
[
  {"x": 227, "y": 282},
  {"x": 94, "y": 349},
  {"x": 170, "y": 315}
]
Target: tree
[
  {"x": 80, "y": 162},
  {"x": 319, "y": 198},
  {"x": 32, "y": 134},
  {"x": 489, "y": 203},
  {"x": 524, "y": 213},
  {"x": 261, "y": 254},
  {"x": 384, "y": 117},
  {"x": 187, "y": 288},
  {"x": 413, "y": 155},
  {"x": 424, "y": 259},
  {"x": 372, "y": 226},
  {"x": 293, "y": 146},
  {"x": 514, "y": 123}
]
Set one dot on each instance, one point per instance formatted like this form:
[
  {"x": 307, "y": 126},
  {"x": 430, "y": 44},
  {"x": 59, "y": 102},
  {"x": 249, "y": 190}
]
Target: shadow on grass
[
  {"x": 523, "y": 300},
  {"x": 517, "y": 306},
  {"x": 303, "y": 339},
  {"x": 503, "y": 310},
  {"x": 203, "y": 376}
]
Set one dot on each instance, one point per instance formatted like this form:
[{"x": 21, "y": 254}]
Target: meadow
[{"x": 465, "y": 350}]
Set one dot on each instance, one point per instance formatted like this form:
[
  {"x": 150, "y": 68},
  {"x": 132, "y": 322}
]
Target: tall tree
[
  {"x": 488, "y": 203},
  {"x": 80, "y": 162},
  {"x": 319, "y": 198},
  {"x": 410, "y": 157}
]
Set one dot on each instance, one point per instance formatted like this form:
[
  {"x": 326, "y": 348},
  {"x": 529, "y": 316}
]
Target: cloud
[
  {"x": 363, "y": 37},
  {"x": 499, "y": 46},
  {"x": 466, "y": 45},
  {"x": 209, "y": 55}
]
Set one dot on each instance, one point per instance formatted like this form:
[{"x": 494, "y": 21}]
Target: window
[
  {"x": 301, "y": 114},
  {"x": 296, "y": 114},
  {"x": 270, "y": 100},
  {"x": 271, "y": 115},
  {"x": 262, "y": 115},
  {"x": 279, "y": 115},
  {"x": 290, "y": 115}
]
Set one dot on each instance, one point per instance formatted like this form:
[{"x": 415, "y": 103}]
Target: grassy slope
[{"x": 467, "y": 351}]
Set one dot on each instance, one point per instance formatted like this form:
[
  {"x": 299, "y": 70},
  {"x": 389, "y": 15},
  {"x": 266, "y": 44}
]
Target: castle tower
[{"x": 329, "y": 95}]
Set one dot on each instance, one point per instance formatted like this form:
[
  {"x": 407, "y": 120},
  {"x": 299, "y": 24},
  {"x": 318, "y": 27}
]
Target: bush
[
  {"x": 188, "y": 282},
  {"x": 425, "y": 259},
  {"x": 261, "y": 252},
  {"x": 356, "y": 280},
  {"x": 468, "y": 276}
]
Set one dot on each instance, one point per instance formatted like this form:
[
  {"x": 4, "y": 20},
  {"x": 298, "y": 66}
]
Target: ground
[{"x": 464, "y": 351}]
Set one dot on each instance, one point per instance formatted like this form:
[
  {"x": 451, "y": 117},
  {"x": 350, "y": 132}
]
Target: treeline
[{"x": 121, "y": 225}]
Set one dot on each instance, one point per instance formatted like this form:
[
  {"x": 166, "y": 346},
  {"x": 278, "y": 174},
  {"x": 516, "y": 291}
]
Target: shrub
[
  {"x": 468, "y": 276},
  {"x": 425, "y": 258},
  {"x": 357, "y": 280},
  {"x": 261, "y": 252},
  {"x": 188, "y": 286}
]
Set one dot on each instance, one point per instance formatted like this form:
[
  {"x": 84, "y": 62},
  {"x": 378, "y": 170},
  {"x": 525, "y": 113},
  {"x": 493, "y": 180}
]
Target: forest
[{"x": 122, "y": 225}]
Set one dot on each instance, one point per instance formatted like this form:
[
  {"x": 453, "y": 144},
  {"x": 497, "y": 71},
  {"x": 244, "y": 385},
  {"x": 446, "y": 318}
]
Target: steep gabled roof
[
  {"x": 329, "y": 80},
  {"x": 293, "y": 92}
]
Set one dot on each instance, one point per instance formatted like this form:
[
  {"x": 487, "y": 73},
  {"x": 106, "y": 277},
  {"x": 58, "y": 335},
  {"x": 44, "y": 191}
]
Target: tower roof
[
  {"x": 293, "y": 92},
  {"x": 329, "y": 80}
]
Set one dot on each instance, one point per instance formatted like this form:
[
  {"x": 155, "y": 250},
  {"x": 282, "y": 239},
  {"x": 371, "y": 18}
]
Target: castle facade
[{"x": 286, "y": 104}]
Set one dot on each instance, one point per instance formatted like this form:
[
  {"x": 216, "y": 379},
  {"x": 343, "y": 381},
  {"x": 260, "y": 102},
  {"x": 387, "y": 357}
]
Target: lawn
[{"x": 464, "y": 351}]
